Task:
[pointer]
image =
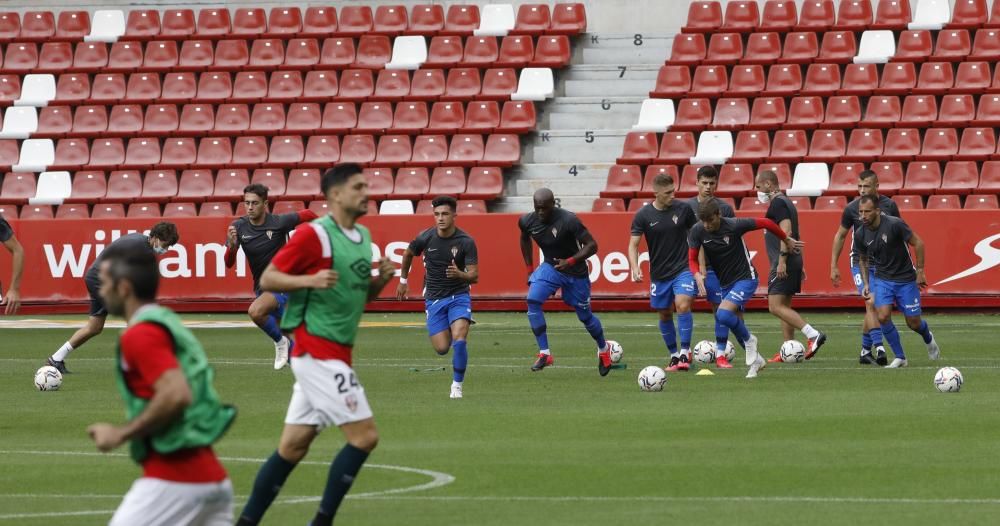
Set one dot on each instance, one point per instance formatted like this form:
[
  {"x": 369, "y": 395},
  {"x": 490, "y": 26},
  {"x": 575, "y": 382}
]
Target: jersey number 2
[{"x": 351, "y": 380}]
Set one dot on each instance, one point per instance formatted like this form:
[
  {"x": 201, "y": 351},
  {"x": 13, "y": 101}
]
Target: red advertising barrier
[{"x": 962, "y": 258}]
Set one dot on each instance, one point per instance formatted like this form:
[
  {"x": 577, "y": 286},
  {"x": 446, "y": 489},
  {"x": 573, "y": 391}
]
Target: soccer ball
[
  {"x": 48, "y": 378},
  {"x": 616, "y": 351},
  {"x": 652, "y": 378},
  {"x": 792, "y": 351},
  {"x": 948, "y": 380},
  {"x": 704, "y": 352}
]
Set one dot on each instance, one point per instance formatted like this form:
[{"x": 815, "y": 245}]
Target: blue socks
[
  {"x": 733, "y": 322},
  {"x": 593, "y": 325},
  {"x": 876, "y": 335},
  {"x": 866, "y": 341},
  {"x": 537, "y": 320},
  {"x": 344, "y": 469},
  {"x": 924, "y": 331},
  {"x": 685, "y": 326},
  {"x": 270, "y": 478},
  {"x": 271, "y": 328},
  {"x": 669, "y": 336},
  {"x": 892, "y": 335},
  {"x": 459, "y": 360}
]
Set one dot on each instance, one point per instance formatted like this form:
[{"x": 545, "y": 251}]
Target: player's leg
[
  {"x": 460, "y": 317},
  {"x": 661, "y": 299},
  {"x": 884, "y": 300},
  {"x": 541, "y": 286},
  {"x": 685, "y": 289},
  {"x": 908, "y": 300},
  {"x": 736, "y": 297},
  {"x": 216, "y": 503},
  {"x": 265, "y": 311},
  {"x": 362, "y": 437},
  {"x": 576, "y": 294},
  {"x": 714, "y": 293},
  {"x": 437, "y": 325},
  {"x": 780, "y": 305},
  {"x": 93, "y": 327},
  {"x": 871, "y": 331}
]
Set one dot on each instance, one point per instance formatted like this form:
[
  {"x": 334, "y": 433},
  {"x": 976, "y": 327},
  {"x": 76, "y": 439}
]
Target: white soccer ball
[
  {"x": 948, "y": 380},
  {"x": 792, "y": 351},
  {"x": 616, "y": 351},
  {"x": 48, "y": 378},
  {"x": 704, "y": 352},
  {"x": 730, "y": 351},
  {"x": 652, "y": 378}
]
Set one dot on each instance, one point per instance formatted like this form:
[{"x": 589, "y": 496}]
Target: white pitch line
[{"x": 720, "y": 498}]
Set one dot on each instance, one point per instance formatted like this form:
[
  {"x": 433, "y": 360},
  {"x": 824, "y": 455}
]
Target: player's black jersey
[
  {"x": 724, "y": 210},
  {"x": 851, "y": 219},
  {"x": 666, "y": 236},
  {"x": 438, "y": 253},
  {"x": 560, "y": 238},
  {"x": 781, "y": 208},
  {"x": 725, "y": 249},
  {"x": 261, "y": 242},
  {"x": 887, "y": 249},
  {"x": 132, "y": 241},
  {"x": 6, "y": 232}
]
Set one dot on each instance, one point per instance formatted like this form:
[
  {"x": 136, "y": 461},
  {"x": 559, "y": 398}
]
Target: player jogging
[
  {"x": 665, "y": 223},
  {"x": 174, "y": 414},
  {"x": 895, "y": 281},
  {"x": 326, "y": 268},
  {"x": 786, "y": 275},
  {"x": 262, "y": 234},
  {"x": 721, "y": 238},
  {"x": 12, "y": 300},
  {"x": 566, "y": 244},
  {"x": 850, "y": 221},
  {"x": 451, "y": 264},
  {"x": 161, "y": 237}
]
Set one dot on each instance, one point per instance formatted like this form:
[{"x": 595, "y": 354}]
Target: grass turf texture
[{"x": 823, "y": 442}]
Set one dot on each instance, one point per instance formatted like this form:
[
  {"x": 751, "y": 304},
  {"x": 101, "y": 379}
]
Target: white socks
[
  {"x": 63, "y": 352},
  {"x": 546, "y": 352},
  {"x": 809, "y": 331}
]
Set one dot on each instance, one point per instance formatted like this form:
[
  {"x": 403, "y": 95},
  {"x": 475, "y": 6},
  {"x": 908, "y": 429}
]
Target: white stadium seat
[
  {"x": 810, "y": 179},
  {"x": 877, "y": 47},
  {"x": 535, "y": 84},
  {"x": 714, "y": 147},
  {"x": 396, "y": 207},
  {"x": 496, "y": 20},
  {"x": 930, "y": 14},
  {"x": 53, "y": 188},
  {"x": 37, "y": 90},
  {"x": 106, "y": 26},
  {"x": 655, "y": 115},
  {"x": 36, "y": 155},
  {"x": 408, "y": 53},
  {"x": 19, "y": 122}
]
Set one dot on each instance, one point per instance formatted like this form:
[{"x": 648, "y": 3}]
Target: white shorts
[
  {"x": 326, "y": 393},
  {"x": 155, "y": 502}
]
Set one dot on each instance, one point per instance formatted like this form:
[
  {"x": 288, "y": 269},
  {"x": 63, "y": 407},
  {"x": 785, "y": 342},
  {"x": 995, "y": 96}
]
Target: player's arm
[
  {"x": 782, "y": 269},
  {"x": 526, "y": 252},
  {"x": 863, "y": 266},
  {"x": 633, "y": 257},
  {"x": 287, "y": 271},
  {"x": 470, "y": 275},
  {"x": 404, "y": 273},
  {"x": 386, "y": 271},
  {"x": 791, "y": 243},
  {"x": 305, "y": 216},
  {"x": 588, "y": 247},
  {"x": 918, "y": 249},
  {"x": 696, "y": 263},
  {"x": 171, "y": 396},
  {"x": 232, "y": 246},
  {"x": 838, "y": 247},
  {"x": 13, "y": 297},
  {"x": 274, "y": 280}
]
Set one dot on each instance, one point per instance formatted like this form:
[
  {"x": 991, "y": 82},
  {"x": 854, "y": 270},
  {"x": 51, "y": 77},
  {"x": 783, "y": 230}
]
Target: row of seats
[
  {"x": 213, "y": 209},
  {"x": 768, "y": 113},
  {"x": 284, "y": 22},
  {"x": 306, "y": 118},
  {"x": 833, "y": 203},
  {"x": 953, "y": 45},
  {"x": 826, "y": 79},
  {"x": 736, "y": 179},
  {"x": 277, "y": 86},
  {"x": 370, "y": 51},
  {"x": 823, "y": 15},
  {"x": 126, "y": 186}
]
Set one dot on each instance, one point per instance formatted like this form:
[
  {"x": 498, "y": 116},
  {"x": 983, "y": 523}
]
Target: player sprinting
[
  {"x": 326, "y": 269},
  {"x": 451, "y": 264},
  {"x": 721, "y": 238},
  {"x": 174, "y": 414},
  {"x": 262, "y": 234},
  {"x": 665, "y": 223},
  {"x": 883, "y": 241},
  {"x": 786, "y": 275},
  {"x": 566, "y": 244},
  {"x": 161, "y": 237},
  {"x": 12, "y": 299},
  {"x": 850, "y": 221}
]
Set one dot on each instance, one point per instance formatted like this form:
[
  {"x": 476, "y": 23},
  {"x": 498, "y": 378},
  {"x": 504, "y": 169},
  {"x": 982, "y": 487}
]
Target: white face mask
[
  {"x": 763, "y": 197},
  {"x": 159, "y": 251}
]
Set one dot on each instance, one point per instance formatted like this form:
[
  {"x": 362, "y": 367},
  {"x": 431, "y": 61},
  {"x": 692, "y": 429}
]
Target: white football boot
[
  {"x": 759, "y": 364},
  {"x": 281, "y": 353},
  {"x": 751, "y": 350},
  {"x": 456, "y": 390},
  {"x": 897, "y": 363},
  {"x": 933, "y": 351}
]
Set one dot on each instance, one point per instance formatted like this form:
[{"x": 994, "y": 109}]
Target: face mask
[
  {"x": 763, "y": 197},
  {"x": 159, "y": 251}
]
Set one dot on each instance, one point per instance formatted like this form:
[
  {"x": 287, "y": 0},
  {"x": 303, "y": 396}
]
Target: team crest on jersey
[
  {"x": 269, "y": 233},
  {"x": 885, "y": 238},
  {"x": 675, "y": 219},
  {"x": 725, "y": 239},
  {"x": 555, "y": 232},
  {"x": 454, "y": 251},
  {"x": 352, "y": 403},
  {"x": 362, "y": 268}
]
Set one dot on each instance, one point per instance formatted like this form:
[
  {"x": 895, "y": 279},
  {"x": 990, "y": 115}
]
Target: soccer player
[
  {"x": 566, "y": 244},
  {"x": 451, "y": 264},
  {"x": 161, "y": 237},
  {"x": 721, "y": 238},
  {"x": 665, "y": 223},
  {"x": 326, "y": 268},
  {"x": 12, "y": 301},
  {"x": 262, "y": 234},
  {"x": 850, "y": 221},
  {"x": 785, "y": 277},
  {"x": 895, "y": 281},
  {"x": 174, "y": 414}
]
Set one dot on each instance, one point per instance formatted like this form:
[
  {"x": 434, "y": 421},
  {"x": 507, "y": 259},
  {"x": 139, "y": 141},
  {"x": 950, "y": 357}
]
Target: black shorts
[
  {"x": 93, "y": 282},
  {"x": 791, "y": 284}
]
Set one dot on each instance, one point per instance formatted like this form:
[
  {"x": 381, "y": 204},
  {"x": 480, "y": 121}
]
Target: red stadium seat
[
  {"x": 229, "y": 185},
  {"x": 88, "y": 186},
  {"x": 338, "y": 53},
  {"x": 303, "y": 184},
  {"x": 675, "y": 81},
  {"x": 940, "y": 144},
  {"x": 481, "y": 117},
  {"x": 428, "y": 84},
  {"x": 465, "y": 150},
  {"x": 373, "y": 52},
  {"x": 195, "y": 185},
  {"x": 988, "y": 112},
  {"x": 231, "y": 54},
  {"x": 37, "y": 26},
  {"x": 827, "y": 146},
  {"x": 125, "y": 120},
  {"x": 551, "y": 51},
  {"x": 410, "y": 117},
  {"x": 108, "y": 211},
  {"x": 462, "y": 84},
  {"x": 913, "y": 46},
  {"x": 267, "y": 117},
  {"x": 751, "y": 147},
  {"x": 986, "y": 45},
  {"x": 321, "y": 151},
  {"x": 654, "y": 170},
  {"x": 918, "y": 111},
  {"x": 390, "y": 20},
  {"x": 71, "y": 154},
  {"x": 969, "y": 14},
  {"x": 17, "y": 188},
  {"x": 922, "y": 178},
  {"x": 319, "y": 22},
  {"x": 9, "y": 153},
  {"x": 357, "y": 149},
  {"x": 731, "y": 114},
  {"x": 90, "y": 57},
  {"x": 724, "y": 49},
  {"x": 989, "y": 178},
  {"x": 160, "y": 55},
  {"x": 935, "y": 77},
  {"x": 393, "y": 150},
  {"x": 897, "y": 79},
  {"x": 687, "y": 49},
  {"x": 162, "y": 119},
  {"x": 177, "y": 23},
  {"x": 230, "y": 118},
  {"x": 692, "y": 114},
  {"x": 380, "y": 182},
  {"x": 881, "y": 112},
  {"x": 608, "y": 204},
  {"x": 90, "y": 120},
  {"x": 143, "y": 88},
  {"x": 981, "y": 202},
  {"x": 320, "y": 86},
  {"x": 890, "y": 176},
  {"x": 286, "y": 150},
  {"x": 429, "y": 150},
  {"x": 196, "y": 54},
  {"x": 267, "y": 53},
  {"x": 892, "y": 14},
  {"x": 498, "y": 84},
  {"x": 444, "y": 52},
  {"x": 302, "y": 53},
  {"x": 447, "y": 181},
  {"x": 355, "y": 20},
  {"x": 789, "y": 146},
  {"x": 179, "y": 87},
  {"x": 783, "y": 80},
  {"x": 215, "y": 209},
  {"x": 834, "y": 203},
  {"x": 823, "y": 79},
  {"x": 502, "y": 149},
  {"x": 901, "y": 144},
  {"x": 485, "y": 182},
  {"x": 675, "y": 148},
  {"x": 55, "y": 57},
  {"x": 762, "y": 48},
  {"x": 180, "y": 209},
  {"x": 339, "y": 117},
  {"x": 391, "y": 85},
  {"x": 623, "y": 181},
  {"x": 285, "y": 86},
  {"x": 124, "y": 56},
  {"x": 69, "y": 211},
  {"x": 960, "y": 177},
  {"x": 250, "y": 23},
  {"x": 214, "y": 152},
  {"x": 956, "y": 110},
  {"x": 426, "y": 19},
  {"x": 481, "y": 52},
  {"x": 805, "y": 112},
  {"x": 461, "y": 20},
  {"x": 703, "y": 17},
  {"x": 634, "y": 205},
  {"x": 779, "y": 16},
  {"x": 909, "y": 202},
  {"x": 767, "y": 113},
  {"x": 972, "y": 77},
  {"x": 735, "y": 180},
  {"x": 517, "y": 117},
  {"x": 142, "y": 24},
  {"x": 53, "y": 122},
  {"x": 842, "y": 112},
  {"x": 142, "y": 152},
  {"x": 838, "y": 47},
  {"x": 474, "y": 206},
  {"x": 746, "y": 81},
  {"x": 532, "y": 19},
  {"x": 411, "y": 183},
  {"x": 977, "y": 143},
  {"x": 844, "y": 179},
  {"x": 213, "y": 23},
  {"x": 709, "y": 81},
  {"x": 818, "y": 15},
  {"x": 741, "y": 17},
  {"x": 70, "y": 88},
  {"x": 20, "y": 57},
  {"x": 799, "y": 48},
  {"x": 853, "y": 15},
  {"x": 178, "y": 153},
  {"x": 250, "y": 151},
  {"x": 356, "y": 84},
  {"x": 865, "y": 145},
  {"x": 285, "y": 207},
  {"x": 124, "y": 186}
]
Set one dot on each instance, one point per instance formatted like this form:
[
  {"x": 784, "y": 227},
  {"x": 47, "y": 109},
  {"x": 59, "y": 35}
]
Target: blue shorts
[
  {"x": 282, "y": 301},
  {"x": 740, "y": 292},
  {"x": 546, "y": 280},
  {"x": 713, "y": 288},
  {"x": 856, "y": 275},
  {"x": 904, "y": 295},
  {"x": 662, "y": 293},
  {"x": 442, "y": 312}
]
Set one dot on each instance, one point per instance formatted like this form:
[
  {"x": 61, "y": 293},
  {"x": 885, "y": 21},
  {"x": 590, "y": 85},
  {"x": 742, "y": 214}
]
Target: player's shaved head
[
  {"x": 545, "y": 202},
  {"x": 663, "y": 180},
  {"x": 868, "y": 175},
  {"x": 868, "y": 200},
  {"x": 543, "y": 195},
  {"x": 868, "y": 183}
]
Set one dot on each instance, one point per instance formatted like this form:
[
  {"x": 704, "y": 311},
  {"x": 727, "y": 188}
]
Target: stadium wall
[{"x": 962, "y": 260}]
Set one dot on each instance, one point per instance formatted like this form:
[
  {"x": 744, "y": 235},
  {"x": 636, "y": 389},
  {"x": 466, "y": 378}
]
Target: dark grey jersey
[
  {"x": 666, "y": 236},
  {"x": 6, "y": 232},
  {"x": 128, "y": 240},
  {"x": 560, "y": 238},
  {"x": 851, "y": 219},
  {"x": 724, "y": 210},
  {"x": 887, "y": 249},
  {"x": 725, "y": 249},
  {"x": 438, "y": 253},
  {"x": 780, "y": 209},
  {"x": 261, "y": 242}
]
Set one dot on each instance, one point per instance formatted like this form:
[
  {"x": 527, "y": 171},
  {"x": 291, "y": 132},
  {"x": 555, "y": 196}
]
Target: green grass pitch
[{"x": 823, "y": 442}]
